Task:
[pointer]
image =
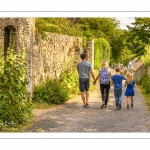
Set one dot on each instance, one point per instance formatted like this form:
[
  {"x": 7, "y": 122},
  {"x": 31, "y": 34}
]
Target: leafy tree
[
  {"x": 87, "y": 28},
  {"x": 57, "y": 25},
  {"x": 42, "y": 26},
  {"x": 138, "y": 35},
  {"x": 105, "y": 28}
]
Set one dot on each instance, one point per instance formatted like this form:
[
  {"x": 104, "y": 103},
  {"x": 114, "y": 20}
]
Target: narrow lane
[{"x": 71, "y": 117}]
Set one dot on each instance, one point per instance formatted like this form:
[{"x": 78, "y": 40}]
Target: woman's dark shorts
[{"x": 84, "y": 84}]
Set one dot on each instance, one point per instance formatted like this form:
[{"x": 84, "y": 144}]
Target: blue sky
[{"x": 125, "y": 21}]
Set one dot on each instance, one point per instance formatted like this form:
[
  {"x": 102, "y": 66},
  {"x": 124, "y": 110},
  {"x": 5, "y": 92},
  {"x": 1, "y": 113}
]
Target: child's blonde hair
[
  {"x": 105, "y": 64},
  {"x": 129, "y": 77}
]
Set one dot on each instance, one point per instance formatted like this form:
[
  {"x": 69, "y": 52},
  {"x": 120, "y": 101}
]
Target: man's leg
[
  {"x": 82, "y": 89},
  {"x": 87, "y": 84},
  {"x": 87, "y": 96},
  {"x": 83, "y": 98}
]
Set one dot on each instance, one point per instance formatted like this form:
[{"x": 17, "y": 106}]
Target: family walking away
[
  {"x": 105, "y": 75},
  {"x": 84, "y": 69},
  {"x": 106, "y": 79}
]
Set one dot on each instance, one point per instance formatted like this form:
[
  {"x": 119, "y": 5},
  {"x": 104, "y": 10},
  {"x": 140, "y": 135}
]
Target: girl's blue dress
[{"x": 130, "y": 89}]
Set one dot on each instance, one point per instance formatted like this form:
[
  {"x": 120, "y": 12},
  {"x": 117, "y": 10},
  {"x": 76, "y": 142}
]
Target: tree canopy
[
  {"x": 124, "y": 44},
  {"x": 138, "y": 36}
]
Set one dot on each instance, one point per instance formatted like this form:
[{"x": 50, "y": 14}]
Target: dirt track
[{"x": 71, "y": 117}]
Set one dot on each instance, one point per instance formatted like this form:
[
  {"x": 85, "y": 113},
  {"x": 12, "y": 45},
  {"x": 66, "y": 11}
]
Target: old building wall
[
  {"x": 139, "y": 72},
  {"x": 24, "y": 31},
  {"x": 23, "y": 38},
  {"x": 90, "y": 51},
  {"x": 46, "y": 58},
  {"x": 54, "y": 55}
]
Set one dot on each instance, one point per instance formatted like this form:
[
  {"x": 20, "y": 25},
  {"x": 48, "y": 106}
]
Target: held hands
[
  {"x": 111, "y": 83},
  {"x": 94, "y": 82}
]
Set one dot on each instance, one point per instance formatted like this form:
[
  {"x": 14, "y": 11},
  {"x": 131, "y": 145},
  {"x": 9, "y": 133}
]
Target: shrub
[
  {"x": 51, "y": 92},
  {"x": 58, "y": 91},
  {"x": 70, "y": 79}
]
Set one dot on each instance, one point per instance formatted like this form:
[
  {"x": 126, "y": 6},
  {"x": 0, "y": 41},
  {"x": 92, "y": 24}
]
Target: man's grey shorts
[{"x": 84, "y": 84}]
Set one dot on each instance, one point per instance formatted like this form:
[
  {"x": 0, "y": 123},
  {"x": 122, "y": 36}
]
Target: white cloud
[{"x": 125, "y": 21}]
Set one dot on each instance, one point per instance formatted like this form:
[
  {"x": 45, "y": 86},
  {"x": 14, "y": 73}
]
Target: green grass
[
  {"x": 43, "y": 105},
  {"x": 12, "y": 128},
  {"x": 145, "y": 95}
]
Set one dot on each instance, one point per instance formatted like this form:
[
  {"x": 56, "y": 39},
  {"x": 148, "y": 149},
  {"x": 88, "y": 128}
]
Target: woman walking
[{"x": 104, "y": 74}]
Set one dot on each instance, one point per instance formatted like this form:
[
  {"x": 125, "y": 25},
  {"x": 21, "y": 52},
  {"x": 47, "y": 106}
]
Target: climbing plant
[
  {"x": 15, "y": 105},
  {"x": 102, "y": 51}
]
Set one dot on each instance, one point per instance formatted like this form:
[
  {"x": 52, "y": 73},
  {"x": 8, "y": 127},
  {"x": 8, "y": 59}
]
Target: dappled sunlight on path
[{"x": 71, "y": 117}]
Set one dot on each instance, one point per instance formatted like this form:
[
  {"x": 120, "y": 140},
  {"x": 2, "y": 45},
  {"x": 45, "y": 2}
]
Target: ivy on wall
[{"x": 102, "y": 51}]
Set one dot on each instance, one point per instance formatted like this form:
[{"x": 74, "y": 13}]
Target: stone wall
[
  {"x": 24, "y": 33},
  {"x": 53, "y": 55},
  {"x": 139, "y": 72},
  {"x": 46, "y": 58},
  {"x": 90, "y": 51}
]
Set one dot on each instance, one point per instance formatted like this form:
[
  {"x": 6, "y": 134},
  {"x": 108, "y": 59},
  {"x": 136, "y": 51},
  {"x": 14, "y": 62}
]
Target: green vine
[{"x": 15, "y": 105}]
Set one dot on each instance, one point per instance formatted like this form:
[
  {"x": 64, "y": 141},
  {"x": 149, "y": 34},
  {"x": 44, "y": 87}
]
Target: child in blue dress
[{"x": 130, "y": 83}]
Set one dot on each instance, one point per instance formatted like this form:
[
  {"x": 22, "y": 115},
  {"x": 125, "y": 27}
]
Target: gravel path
[{"x": 71, "y": 117}]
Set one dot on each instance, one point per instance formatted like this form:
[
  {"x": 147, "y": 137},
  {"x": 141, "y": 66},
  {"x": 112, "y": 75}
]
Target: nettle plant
[{"x": 15, "y": 104}]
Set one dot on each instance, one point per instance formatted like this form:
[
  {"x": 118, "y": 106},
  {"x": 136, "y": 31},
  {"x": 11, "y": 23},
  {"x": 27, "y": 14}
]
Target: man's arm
[
  {"x": 77, "y": 69},
  {"x": 92, "y": 73},
  {"x": 96, "y": 78}
]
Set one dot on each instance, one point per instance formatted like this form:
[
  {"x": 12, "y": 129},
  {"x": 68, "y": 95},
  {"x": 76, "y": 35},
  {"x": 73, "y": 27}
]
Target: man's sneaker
[
  {"x": 105, "y": 106},
  {"x": 119, "y": 105},
  {"x": 132, "y": 105},
  {"x": 87, "y": 105},
  {"x": 83, "y": 106},
  {"x": 127, "y": 106}
]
